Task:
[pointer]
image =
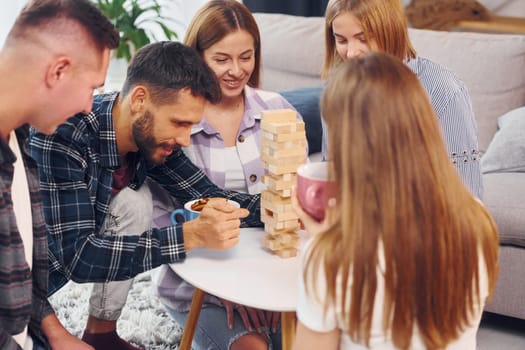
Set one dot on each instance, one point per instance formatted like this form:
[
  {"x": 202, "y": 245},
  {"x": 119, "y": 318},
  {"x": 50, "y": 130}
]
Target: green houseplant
[{"x": 129, "y": 17}]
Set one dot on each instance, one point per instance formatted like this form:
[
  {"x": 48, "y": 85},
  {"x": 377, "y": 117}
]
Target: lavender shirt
[{"x": 208, "y": 153}]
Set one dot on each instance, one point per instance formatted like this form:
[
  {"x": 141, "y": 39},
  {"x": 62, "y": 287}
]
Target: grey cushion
[
  {"x": 306, "y": 101},
  {"x": 506, "y": 151},
  {"x": 503, "y": 195}
]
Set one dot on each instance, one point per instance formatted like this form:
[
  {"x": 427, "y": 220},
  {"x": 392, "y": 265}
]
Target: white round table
[{"x": 246, "y": 274}]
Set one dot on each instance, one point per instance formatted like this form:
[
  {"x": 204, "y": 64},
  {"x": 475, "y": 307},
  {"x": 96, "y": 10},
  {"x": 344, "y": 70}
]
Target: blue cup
[
  {"x": 178, "y": 216},
  {"x": 186, "y": 213}
]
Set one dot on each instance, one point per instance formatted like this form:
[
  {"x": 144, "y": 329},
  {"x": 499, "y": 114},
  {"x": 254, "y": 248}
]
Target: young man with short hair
[
  {"x": 96, "y": 201},
  {"x": 55, "y": 55}
]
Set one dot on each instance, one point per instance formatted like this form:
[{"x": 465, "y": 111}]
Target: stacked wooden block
[{"x": 283, "y": 150}]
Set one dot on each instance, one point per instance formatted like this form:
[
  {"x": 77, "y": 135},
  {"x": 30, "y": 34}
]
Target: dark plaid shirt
[
  {"x": 23, "y": 292},
  {"x": 76, "y": 167}
]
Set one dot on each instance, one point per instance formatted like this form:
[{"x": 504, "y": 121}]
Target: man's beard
[{"x": 143, "y": 135}]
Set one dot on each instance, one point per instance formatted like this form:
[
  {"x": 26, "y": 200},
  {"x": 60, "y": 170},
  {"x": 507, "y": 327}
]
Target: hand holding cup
[
  {"x": 216, "y": 226},
  {"x": 314, "y": 190}
]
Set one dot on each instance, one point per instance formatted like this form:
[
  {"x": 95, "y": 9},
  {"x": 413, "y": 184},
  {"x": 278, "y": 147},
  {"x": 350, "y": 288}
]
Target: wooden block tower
[{"x": 283, "y": 150}]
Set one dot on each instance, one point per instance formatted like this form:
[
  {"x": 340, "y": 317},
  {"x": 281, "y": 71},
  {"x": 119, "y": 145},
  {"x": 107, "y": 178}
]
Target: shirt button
[
  {"x": 240, "y": 138},
  {"x": 253, "y": 178}
]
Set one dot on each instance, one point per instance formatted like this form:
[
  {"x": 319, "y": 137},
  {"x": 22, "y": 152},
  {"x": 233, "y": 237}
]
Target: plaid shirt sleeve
[
  {"x": 23, "y": 291},
  {"x": 72, "y": 183}
]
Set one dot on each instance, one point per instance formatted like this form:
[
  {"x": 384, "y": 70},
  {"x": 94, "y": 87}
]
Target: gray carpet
[{"x": 143, "y": 321}]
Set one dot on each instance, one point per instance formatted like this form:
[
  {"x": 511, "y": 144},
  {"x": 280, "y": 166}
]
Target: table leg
[
  {"x": 288, "y": 322},
  {"x": 191, "y": 321}
]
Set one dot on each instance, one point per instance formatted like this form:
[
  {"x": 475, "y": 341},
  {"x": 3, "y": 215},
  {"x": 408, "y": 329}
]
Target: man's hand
[
  {"x": 59, "y": 338},
  {"x": 217, "y": 227}
]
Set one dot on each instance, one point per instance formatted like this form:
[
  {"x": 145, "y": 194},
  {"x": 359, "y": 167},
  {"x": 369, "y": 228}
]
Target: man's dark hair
[
  {"x": 39, "y": 13},
  {"x": 166, "y": 67}
]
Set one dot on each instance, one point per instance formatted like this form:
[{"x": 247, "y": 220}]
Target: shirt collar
[
  {"x": 102, "y": 113},
  {"x": 414, "y": 65},
  {"x": 248, "y": 119},
  {"x": 6, "y": 154}
]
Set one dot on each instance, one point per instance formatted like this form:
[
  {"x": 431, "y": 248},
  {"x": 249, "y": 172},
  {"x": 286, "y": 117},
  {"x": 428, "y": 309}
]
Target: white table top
[{"x": 245, "y": 274}]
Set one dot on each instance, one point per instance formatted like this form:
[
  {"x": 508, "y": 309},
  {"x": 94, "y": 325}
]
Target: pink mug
[{"x": 313, "y": 188}]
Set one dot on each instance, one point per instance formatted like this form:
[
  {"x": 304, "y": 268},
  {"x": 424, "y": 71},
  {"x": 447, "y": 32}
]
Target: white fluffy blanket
[{"x": 143, "y": 321}]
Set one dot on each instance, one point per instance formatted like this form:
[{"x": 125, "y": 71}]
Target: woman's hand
[
  {"x": 308, "y": 223},
  {"x": 251, "y": 317}
]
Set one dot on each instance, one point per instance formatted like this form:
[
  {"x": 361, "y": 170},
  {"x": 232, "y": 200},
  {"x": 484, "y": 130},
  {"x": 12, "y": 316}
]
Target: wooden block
[
  {"x": 279, "y": 215},
  {"x": 289, "y": 239},
  {"x": 292, "y": 136},
  {"x": 272, "y": 201},
  {"x": 271, "y": 243},
  {"x": 281, "y": 169},
  {"x": 287, "y": 227},
  {"x": 279, "y": 115},
  {"x": 273, "y": 208},
  {"x": 274, "y": 198},
  {"x": 276, "y": 247},
  {"x": 283, "y": 152},
  {"x": 286, "y": 253},
  {"x": 282, "y": 128},
  {"x": 276, "y": 228},
  {"x": 297, "y": 160},
  {"x": 296, "y": 144},
  {"x": 287, "y": 193},
  {"x": 271, "y": 224},
  {"x": 277, "y": 183}
]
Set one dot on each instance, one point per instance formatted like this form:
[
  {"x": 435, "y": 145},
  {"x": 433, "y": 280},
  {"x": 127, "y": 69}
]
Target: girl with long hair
[{"x": 406, "y": 257}]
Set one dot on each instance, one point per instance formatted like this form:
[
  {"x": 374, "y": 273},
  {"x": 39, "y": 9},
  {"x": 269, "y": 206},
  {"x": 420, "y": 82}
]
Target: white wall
[
  {"x": 180, "y": 11},
  {"x": 8, "y": 12}
]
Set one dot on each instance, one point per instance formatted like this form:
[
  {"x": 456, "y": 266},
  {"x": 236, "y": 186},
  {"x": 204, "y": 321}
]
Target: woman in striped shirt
[{"x": 353, "y": 27}]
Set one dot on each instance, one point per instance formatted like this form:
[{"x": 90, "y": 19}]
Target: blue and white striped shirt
[{"x": 451, "y": 102}]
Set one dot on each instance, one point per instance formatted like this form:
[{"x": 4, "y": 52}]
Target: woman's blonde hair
[
  {"x": 382, "y": 20},
  {"x": 398, "y": 194},
  {"x": 218, "y": 18}
]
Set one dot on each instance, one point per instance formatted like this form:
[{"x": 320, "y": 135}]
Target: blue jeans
[{"x": 212, "y": 332}]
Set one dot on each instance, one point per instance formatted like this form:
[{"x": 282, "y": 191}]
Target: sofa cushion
[
  {"x": 306, "y": 101},
  {"x": 292, "y": 50},
  {"x": 506, "y": 151},
  {"x": 503, "y": 195},
  {"x": 491, "y": 65}
]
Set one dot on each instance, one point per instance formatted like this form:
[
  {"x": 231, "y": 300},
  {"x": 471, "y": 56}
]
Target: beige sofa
[{"x": 493, "y": 68}]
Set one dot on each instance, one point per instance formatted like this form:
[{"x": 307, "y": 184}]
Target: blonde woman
[
  {"x": 353, "y": 27},
  {"x": 407, "y": 257}
]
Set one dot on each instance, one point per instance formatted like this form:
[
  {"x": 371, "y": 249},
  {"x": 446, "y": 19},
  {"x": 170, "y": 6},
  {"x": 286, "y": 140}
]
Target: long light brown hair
[
  {"x": 218, "y": 18},
  {"x": 398, "y": 195},
  {"x": 382, "y": 20}
]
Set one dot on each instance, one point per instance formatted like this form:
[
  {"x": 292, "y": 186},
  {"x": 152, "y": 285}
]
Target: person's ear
[
  {"x": 139, "y": 96},
  {"x": 58, "y": 71}
]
